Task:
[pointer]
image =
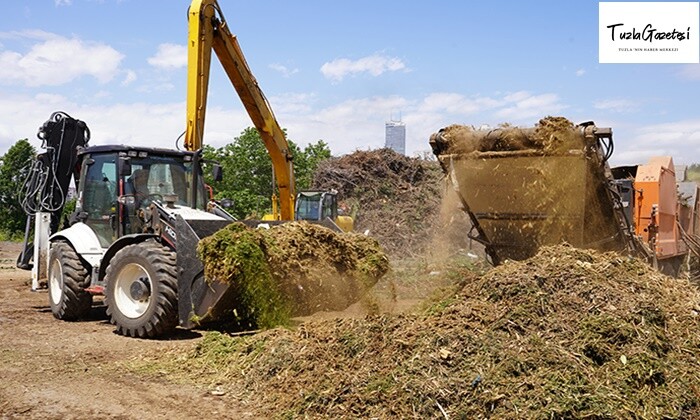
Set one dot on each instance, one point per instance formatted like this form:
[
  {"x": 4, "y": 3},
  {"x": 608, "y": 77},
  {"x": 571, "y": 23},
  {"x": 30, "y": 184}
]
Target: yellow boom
[{"x": 208, "y": 30}]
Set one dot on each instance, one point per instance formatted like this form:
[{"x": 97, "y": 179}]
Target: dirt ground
[
  {"x": 50, "y": 369},
  {"x": 74, "y": 370}
]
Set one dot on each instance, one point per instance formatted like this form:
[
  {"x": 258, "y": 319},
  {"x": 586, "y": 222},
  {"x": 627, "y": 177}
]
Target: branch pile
[{"x": 394, "y": 197}]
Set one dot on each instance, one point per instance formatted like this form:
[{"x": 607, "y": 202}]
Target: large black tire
[
  {"x": 141, "y": 293},
  {"x": 68, "y": 278}
]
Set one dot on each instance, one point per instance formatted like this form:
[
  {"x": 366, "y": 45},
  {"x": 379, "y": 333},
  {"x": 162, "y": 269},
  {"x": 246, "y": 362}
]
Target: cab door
[{"x": 97, "y": 203}]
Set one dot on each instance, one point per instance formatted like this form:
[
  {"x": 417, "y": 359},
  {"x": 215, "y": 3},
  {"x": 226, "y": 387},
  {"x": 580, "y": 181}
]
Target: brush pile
[
  {"x": 569, "y": 333},
  {"x": 397, "y": 199}
]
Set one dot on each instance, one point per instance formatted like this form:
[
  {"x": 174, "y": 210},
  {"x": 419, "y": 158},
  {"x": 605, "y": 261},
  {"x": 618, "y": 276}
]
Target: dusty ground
[
  {"x": 54, "y": 369},
  {"x": 80, "y": 370}
]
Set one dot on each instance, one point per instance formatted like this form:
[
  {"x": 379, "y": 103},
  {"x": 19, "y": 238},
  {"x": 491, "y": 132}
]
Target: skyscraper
[{"x": 396, "y": 136}]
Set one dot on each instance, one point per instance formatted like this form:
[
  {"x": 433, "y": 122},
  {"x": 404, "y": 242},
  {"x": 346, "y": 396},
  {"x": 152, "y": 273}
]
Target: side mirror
[
  {"x": 217, "y": 172},
  {"x": 124, "y": 166}
]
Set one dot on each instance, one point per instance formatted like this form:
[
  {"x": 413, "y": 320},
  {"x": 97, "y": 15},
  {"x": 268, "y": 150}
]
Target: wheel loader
[
  {"x": 140, "y": 211},
  {"x": 523, "y": 188}
]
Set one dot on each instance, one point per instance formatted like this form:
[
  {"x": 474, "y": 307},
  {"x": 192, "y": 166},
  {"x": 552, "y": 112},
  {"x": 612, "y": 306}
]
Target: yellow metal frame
[{"x": 208, "y": 30}]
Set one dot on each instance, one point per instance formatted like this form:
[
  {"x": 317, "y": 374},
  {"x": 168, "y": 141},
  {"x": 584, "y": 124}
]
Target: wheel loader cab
[{"x": 118, "y": 184}]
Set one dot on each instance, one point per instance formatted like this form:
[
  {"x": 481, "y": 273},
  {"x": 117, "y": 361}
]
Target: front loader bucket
[
  {"x": 205, "y": 300},
  {"x": 522, "y": 192},
  {"x": 199, "y": 301}
]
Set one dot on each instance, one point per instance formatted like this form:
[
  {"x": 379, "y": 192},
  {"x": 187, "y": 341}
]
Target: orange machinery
[{"x": 657, "y": 208}]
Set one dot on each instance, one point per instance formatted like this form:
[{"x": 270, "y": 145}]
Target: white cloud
[
  {"x": 59, "y": 3},
  {"x": 143, "y": 124},
  {"x": 456, "y": 104},
  {"x": 169, "y": 56},
  {"x": 284, "y": 70},
  {"x": 615, "y": 105},
  {"x": 293, "y": 103},
  {"x": 346, "y": 126},
  {"x": 678, "y": 139},
  {"x": 37, "y": 34},
  {"x": 74, "y": 57},
  {"x": 580, "y": 72},
  {"x": 523, "y": 106},
  {"x": 375, "y": 65},
  {"x": 129, "y": 78}
]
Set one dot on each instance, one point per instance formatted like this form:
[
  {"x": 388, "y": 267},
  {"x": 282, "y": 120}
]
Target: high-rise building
[{"x": 396, "y": 136}]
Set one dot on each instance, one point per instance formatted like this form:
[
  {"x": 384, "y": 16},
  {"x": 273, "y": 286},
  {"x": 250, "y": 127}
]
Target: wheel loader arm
[{"x": 208, "y": 31}]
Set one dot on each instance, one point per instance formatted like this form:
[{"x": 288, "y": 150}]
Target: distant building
[{"x": 396, "y": 136}]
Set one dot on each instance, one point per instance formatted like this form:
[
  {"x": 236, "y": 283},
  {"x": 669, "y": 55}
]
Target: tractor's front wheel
[
  {"x": 141, "y": 293},
  {"x": 68, "y": 278}
]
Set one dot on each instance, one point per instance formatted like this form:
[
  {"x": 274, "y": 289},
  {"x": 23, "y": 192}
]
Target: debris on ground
[
  {"x": 569, "y": 333},
  {"x": 394, "y": 198},
  {"x": 291, "y": 269}
]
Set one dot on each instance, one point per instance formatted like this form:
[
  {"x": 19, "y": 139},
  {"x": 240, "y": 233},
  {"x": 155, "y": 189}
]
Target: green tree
[
  {"x": 14, "y": 166},
  {"x": 306, "y": 162},
  {"x": 248, "y": 171},
  {"x": 694, "y": 172}
]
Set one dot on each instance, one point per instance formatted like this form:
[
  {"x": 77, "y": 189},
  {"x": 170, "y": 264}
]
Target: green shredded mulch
[{"x": 292, "y": 269}]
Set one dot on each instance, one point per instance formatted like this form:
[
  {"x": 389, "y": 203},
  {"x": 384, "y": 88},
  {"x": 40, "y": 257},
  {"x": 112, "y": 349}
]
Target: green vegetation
[
  {"x": 235, "y": 255},
  {"x": 293, "y": 269},
  {"x": 694, "y": 172},
  {"x": 14, "y": 167},
  {"x": 248, "y": 171}
]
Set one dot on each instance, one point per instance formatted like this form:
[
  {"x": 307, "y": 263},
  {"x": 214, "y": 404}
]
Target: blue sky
[{"x": 337, "y": 71}]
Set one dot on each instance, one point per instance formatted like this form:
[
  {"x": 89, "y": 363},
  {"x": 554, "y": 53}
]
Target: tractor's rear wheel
[
  {"x": 141, "y": 293},
  {"x": 68, "y": 278}
]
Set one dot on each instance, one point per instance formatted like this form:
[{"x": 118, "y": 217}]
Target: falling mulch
[
  {"x": 291, "y": 269},
  {"x": 569, "y": 333},
  {"x": 394, "y": 198},
  {"x": 551, "y": 135}
]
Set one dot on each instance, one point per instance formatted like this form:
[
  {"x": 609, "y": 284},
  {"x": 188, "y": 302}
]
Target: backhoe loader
[{"x": 140, "y": 211}]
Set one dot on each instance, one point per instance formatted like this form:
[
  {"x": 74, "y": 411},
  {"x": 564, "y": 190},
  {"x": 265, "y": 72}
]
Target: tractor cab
[
  {"x": 117, "y": 183},
  {"x": 319, "y": 206}
]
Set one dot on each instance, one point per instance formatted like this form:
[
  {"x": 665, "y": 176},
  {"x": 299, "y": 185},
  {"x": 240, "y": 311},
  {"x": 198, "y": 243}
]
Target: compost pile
[
  {"x": 291, "y": 269},
  {"x": 397, "y": 199},
  {"x": 550, "y": 135},
  {"x": 569, "y": 333}
]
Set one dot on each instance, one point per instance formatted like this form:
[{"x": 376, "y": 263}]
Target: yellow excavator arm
[{"x": 208, "y": 30}]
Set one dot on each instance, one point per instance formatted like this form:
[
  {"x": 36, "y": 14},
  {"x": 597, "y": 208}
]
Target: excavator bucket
[{"x": 524, "y": 188}]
